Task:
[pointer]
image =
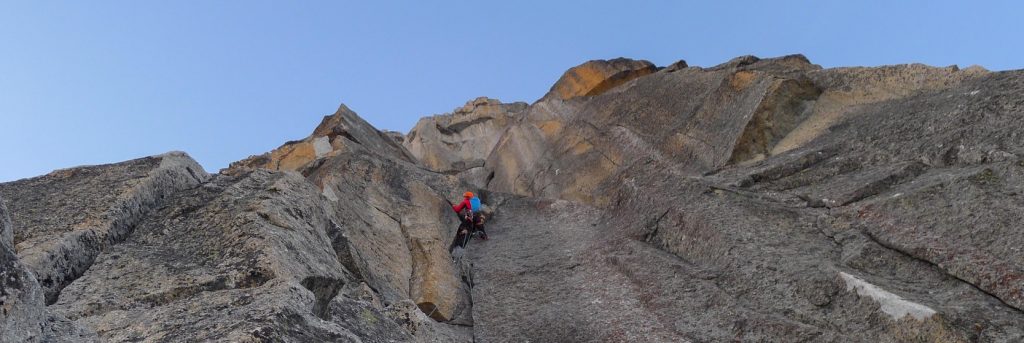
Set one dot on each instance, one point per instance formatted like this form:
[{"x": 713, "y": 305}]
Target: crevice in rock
[
  {"x": 901, "y": 174},
  {"x": 490, "y": 177},
  {"x": 458, "y": 127},
  {"x": 338, "y": 131},
  {"x": 793, "y": 166},
  {"x": 343, "y": 250},
  {"x": 784, "y": 106},
  {"x": 653, "y": 227},
  {"x": 909, "y": 255},
  {"x": 599, "y": 151},
  {"x": 324, "y": 289},
  {"x": 80, "y": 250}
]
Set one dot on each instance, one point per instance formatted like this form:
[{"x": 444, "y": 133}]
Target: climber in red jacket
[
  {"x": 470, "y": 222},
  {"x": 465, "y": 204}
]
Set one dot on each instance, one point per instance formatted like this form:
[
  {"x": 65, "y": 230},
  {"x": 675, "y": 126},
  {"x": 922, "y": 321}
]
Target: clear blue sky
[{"x": 89, "y": 82}]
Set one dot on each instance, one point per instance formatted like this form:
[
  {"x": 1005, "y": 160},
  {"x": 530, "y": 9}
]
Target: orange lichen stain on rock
[
  {"x": 292, "y": 157},
  {"x": 741, "y": 79},
  {"x": 551, "y": 128},
  {"x": 596, "y": 77},
  {"x": 580, "y": 146}
]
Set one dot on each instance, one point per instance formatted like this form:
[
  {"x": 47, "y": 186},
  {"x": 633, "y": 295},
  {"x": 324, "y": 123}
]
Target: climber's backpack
[{"x": 475, "y": 202}]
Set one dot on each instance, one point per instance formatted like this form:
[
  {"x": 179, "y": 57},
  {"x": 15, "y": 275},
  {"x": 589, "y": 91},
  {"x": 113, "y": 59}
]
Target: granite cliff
[{"x": 756, "y": 200}]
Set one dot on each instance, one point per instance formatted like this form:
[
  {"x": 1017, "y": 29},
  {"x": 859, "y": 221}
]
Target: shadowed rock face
[{"x": 756, "y": 200}]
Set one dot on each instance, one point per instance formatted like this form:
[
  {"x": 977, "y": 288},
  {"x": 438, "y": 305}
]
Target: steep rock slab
[
  {"x": 396, "y": 225},
  {"x": 698, "y": 120},
  {"x": 463, "y": 139},
  {"x": 831, "y": 239},
  {"x": 778, "y": 258},
  {"x": 691, "y": 117},
  {"x": 966, "y": 222},
  {"x": 948, "y": 196},
  {"x": 845, "y": 90},
  {"x": 544, "y": 278},
  {"x": 393, "y": 221},
  {"x": 241, "y": 258},
  {"x": 64, "y": 219},
  {"x": 337, "y": 133},
  {"x": 597, "y": 76},
  {"x": 558, "y": 271}
]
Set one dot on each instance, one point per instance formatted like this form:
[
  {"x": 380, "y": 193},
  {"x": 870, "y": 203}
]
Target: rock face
[
  {"x": 757, "y": 200},
  {"x": 21, "y": 299},
  {"x": 461, "y": 140},
  {"x": 777, "y": 199},
  {"x": 344, "y": 245},
  {"x": 65, "y": 219},
  {"x": 338, "y": 133},
  {"x": 597, "y": 76}
]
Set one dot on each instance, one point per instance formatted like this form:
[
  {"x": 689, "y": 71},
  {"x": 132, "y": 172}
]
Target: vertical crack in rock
[
  {"x": 909, "y": 255},
  {"x": 110, "y": 207}
]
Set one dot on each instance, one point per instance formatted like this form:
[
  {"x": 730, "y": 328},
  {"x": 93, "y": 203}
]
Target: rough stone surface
[
  {"x": 249, "y": 255},
  {"x": 759, "y": 200},
  {"x": 397, "y": 229},
  {"x": 338, "y": 133},
  {"x": 64, "y": 219},
  {"x": 392, "y": 221},
  {"x": 598, "y": 76},
  {"x": 851, "y": 204},
  {"x": 21, "y": 299},
  {"x": 461, "y": 140}
]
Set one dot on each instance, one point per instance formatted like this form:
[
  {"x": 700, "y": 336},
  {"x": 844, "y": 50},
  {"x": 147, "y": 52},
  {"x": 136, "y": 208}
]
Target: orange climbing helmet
[{"x": 467, "y": 194}]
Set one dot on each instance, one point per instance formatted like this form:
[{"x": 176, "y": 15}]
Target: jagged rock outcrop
[
  {"x": 598, "y": 76},
  {"x": 460, "y": 141},
  {"x": 697, "y": 119},
  {"x": 157, "y": 249},
  {"x": 338, "y": 133},
  {"x": 394, "y": 222},
  {"x": 757, "y": 200}
]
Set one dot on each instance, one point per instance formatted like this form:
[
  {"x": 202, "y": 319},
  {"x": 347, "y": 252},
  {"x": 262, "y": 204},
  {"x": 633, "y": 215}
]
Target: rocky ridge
[{"x": 757, "y": 200}]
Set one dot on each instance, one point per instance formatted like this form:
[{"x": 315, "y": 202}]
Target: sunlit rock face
[
  {"x": 598, "y": 76},
  {"x": 338, "y": 133},
  {"x": 861, "y": 204},
  {"x": 339, "y": 237},
  {"x": 460, "y": 141},
  {"x": 756, "y": 200}
]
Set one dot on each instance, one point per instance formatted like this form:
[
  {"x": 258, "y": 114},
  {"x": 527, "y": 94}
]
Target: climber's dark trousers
[
  {"x": 470, "y": 228},
  {"x": 460, "y": 237}
]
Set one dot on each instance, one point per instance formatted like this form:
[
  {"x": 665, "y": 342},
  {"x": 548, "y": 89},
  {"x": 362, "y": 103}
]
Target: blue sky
[{"x": 89, "y": 82}]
